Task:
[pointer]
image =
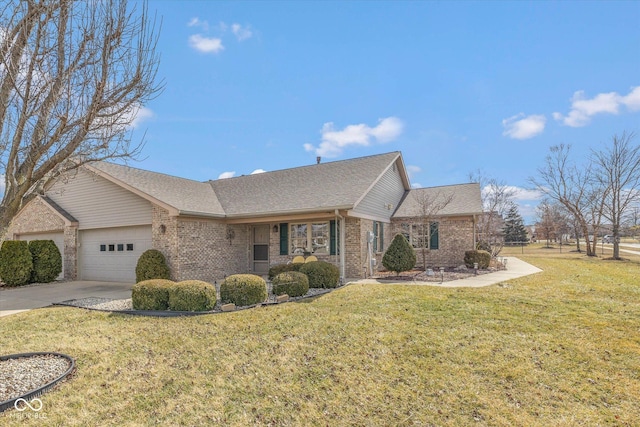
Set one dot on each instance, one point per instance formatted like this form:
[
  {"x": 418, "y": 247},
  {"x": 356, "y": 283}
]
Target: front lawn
[{"x": 557, "y": 348}]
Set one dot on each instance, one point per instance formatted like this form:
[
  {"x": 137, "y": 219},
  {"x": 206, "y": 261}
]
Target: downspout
[
  {"x": 475, "y": 230},
  {"x": 341, "y": 255}
]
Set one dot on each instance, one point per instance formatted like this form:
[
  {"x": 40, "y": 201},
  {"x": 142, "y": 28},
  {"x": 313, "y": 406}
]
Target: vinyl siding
[
  {"x": 98, "y": 203},
  {"x": 387, "y": 191}
]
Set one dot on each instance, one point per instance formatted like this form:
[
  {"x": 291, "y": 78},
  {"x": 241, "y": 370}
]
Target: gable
[
  {"x": 98, "y": 203},
  {"x": 383, "y": 198}
]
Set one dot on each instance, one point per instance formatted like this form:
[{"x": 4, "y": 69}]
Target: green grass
[{"x": 558, "y": 348}]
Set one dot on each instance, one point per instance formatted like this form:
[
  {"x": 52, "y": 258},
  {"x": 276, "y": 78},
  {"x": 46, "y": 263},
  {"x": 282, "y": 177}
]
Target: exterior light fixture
[{"x": 275, "y": 228}]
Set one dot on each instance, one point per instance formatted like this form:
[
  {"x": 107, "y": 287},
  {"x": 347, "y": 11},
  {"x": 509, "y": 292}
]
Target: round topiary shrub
[
  {"x": 47, "y": 261},
  {"x": 483, "y": 258},
  {"x": 399, "y": 256},
  {"x": 243, "y": 289},
  {"x": 276, "y": 269},
  {"x": 152, "y": 265},
  {"x": 192, "y": 295},
  {"x": 321, "y": 274},
  {"x": 16, "y": 263},
  {"x": 151, "y": 294},
  {"x": 292, "y": 283}
]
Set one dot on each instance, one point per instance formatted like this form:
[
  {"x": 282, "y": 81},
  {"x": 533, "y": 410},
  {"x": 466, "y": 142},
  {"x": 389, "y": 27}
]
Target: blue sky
[{"x": 454, "y": 86}]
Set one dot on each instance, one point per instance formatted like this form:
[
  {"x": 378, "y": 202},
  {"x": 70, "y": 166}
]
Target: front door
[{"x": 261, "y": 249}]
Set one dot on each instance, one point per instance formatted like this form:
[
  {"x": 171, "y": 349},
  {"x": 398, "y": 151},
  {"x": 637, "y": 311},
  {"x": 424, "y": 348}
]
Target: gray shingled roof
[
  {"x": 58, "y": 209},
  {"x": 329, "y": 186},
  {"x": 466, "y": 200},
  {"x": 185, "y": 195}
]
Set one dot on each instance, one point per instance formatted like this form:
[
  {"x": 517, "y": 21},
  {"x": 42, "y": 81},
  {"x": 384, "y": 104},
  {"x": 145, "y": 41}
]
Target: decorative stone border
[{"x": 43, "y": 389}]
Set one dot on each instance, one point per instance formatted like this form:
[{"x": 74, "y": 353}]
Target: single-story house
[{"x": 104, "y": 215}]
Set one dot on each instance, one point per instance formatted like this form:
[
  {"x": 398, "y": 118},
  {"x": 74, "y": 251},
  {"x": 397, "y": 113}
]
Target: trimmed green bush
[
  {"x": 399, "y": 256},
  {"x": 292, "y": 283},
  {"x": 243, "y": 289},
  {"x": 321, "y": 274},
  {"x": 152, "y": 265},
  {"x": 192, "y": 295},
  {"x": 151, "y": 294},
  {"x": 274, "y": 270},
  {"x": 483, "y": 258},
  {"x": 16, "y": 263},
  {"x": 47, "y": 261}
]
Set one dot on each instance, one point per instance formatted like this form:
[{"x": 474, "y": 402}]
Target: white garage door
[
  {"x": 111, "y": 254},
  {"x": 57, "y": 237}
]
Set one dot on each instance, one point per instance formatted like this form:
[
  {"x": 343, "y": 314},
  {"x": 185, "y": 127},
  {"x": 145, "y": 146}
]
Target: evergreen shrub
[
  {"x": 47, "y": 261},
  {"x": 292, "y": 283},
  {"x": 192, "y": 295},
  {"x": 276, "y": 269},
  {"x": 321, "y": 274},
  {"x": 151, "y": 294},
  {"x": 16, "y": 263},
  {"x": 483, "y": 258},
  {"x": 243, "y": 289},
  {"x": 152, "y": 265},
  {"x": 399, "y": 256}
]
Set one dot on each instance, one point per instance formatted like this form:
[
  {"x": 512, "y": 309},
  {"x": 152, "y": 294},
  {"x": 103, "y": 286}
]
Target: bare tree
[
  {"x": 618, "y": 172},
  {"x": 73, "y": 76},
  {"x": 497, "y": 198},
  {"x": 546, "y": 225},
  {"x": 570, "y": 185},
  {"x": 429, "y": 205}
]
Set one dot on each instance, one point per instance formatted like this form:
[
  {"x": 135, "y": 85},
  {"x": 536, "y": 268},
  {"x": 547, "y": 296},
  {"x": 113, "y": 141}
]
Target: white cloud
[
  {"x": 224, "y": 175},
  {"x": 142, "y": 114},
  {"x": 416, "y": 185},
  {"x": 583, "y": 109},
  {"x": 334, "y": 141},
  {"x": 257, "y": 171},
  {"x": 197, "y": 22},
  {"x": 241, "y": 33},
  {"x": 520, "y": 193},
  {"x": 2, "y": 184},
  {"x": 523, "y": 127},
  {"x": 205, "y": 44}
]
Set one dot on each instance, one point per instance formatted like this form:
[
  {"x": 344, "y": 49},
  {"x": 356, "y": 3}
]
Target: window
[
  {"x": 112, "y": 248},
  {"x": 129, "y": 246},
  {"x": 120, "y": 247},
  {"x": 103, "y": 248},
  {"x": 316, "y": 242},
  {"x": 422, "y": 236}
]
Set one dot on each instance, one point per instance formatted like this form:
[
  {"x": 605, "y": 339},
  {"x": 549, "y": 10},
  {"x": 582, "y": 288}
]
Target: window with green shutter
[{"x": 332, "y": 238}]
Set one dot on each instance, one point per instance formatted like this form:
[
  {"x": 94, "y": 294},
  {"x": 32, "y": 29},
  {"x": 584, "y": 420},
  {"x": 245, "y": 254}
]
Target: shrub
[
  {"x": 281, "y": 268},
  {"x": 152, "y": 265},
  {"x": 151, "y": 294},
  {"x": 16, "y": 263},
  {"x": 321, "y": 274},
  {"x": 192, "y": 295},
  {"x": 292, "y": 283},
  {"x": 399, "y": 256},
  {"x": 243, "y": 289},
  {"x": 47, "y": 261},
  {"x": 483, "y": 258}
]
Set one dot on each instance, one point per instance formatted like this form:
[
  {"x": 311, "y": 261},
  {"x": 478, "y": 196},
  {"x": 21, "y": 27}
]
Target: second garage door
[{"x": 111, "y": 254}]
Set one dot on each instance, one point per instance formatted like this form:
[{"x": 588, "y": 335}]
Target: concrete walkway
[
  {"x": 515, "y": 268},
  {"x": 16, "y": 300}
]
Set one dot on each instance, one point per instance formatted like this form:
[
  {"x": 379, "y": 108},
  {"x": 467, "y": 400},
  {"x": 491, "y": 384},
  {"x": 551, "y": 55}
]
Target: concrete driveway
[{"x": 15, "y": 300}]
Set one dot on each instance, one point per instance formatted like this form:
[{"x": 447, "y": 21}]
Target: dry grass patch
[{"x": 558, "y": 348}]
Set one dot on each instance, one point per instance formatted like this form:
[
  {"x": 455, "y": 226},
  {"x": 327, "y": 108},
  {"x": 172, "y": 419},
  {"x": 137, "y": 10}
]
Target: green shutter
[
  {"x": 382, "y": 237},
  {"x": 284, "y": 238},
  {"x": 434, "y": 238},
  {"x": 332, "y": 237},
  {"x": 375, "y": 236}
]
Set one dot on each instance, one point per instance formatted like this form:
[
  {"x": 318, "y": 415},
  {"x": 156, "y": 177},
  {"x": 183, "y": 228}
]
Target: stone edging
[{"x": 35, "y": 393}]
